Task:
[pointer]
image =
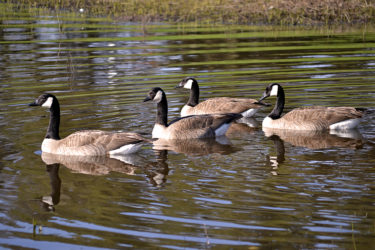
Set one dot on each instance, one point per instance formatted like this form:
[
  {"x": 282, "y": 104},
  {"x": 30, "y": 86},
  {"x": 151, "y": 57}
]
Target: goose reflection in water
[
  {"x": 50, "y": 201},
  {"x": 203, "y": 146},
  {"x": 249, "y": 121},
  {"x": 158, "y": 171},
  {"x": 93, "y": 165},
  {"x": 318, "y": 139},
  {"x": 101, "y": 165},
  {"x": 275, "y": 161},
  {"x": 243, "y": 127},
  {"x": 309, "y": 139}
]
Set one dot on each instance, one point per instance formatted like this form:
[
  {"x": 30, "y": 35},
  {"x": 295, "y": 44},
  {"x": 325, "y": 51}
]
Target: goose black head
[
  {"x": 45, "y": 100},
  {"x": 187, "y": 83},
  {"x": 155, "y": 94},
  {"x": 271, "y": 90}
]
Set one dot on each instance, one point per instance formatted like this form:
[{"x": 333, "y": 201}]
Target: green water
[{"x": 251, "y": 191}]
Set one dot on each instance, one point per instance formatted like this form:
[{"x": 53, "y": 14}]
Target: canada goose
[
  {"x": 86, "y": 142},
  {"x": 244, "y": 106},
  {"x": 309, "y": 118},
  {"x": 195, "y": 126}
]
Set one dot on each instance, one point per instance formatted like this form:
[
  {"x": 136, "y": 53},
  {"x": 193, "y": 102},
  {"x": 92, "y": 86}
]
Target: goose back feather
[{"x": 219, "y": 105}]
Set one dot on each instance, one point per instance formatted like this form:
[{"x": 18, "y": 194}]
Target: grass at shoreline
[{"x": 279, "y": 12}]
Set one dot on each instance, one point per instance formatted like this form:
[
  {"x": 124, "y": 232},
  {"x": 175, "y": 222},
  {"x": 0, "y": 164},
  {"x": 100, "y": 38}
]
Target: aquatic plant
[{"x": 288, "y": 12}]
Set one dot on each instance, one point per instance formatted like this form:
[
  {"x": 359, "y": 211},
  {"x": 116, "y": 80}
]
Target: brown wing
[
  {"x": 324, "y": 116},
  {"x": 202, "y": 121},
  {"x": 108, "y": 140},
  {"x": 82, "y": 138},
  {"x": 117, "y": 140},
  {"x": 225, "y": 105}
]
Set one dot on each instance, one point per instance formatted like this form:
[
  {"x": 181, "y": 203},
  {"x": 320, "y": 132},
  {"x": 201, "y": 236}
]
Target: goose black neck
[
  {"x": 54, "y": 121},
  {"x": 162, "y": 111},
  {"x": 194, "y": 95},
  {"x": 279, "y": 107}
]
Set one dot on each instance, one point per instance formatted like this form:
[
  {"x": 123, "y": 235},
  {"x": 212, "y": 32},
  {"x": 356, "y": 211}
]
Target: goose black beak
[
  {"x": 147, "y": 99},
  {"x": 33, "y": 104},
  {"x": 265, "y": 95},
  {"x": 262, "y": 103},
  {"x": 180, "y": 85}
]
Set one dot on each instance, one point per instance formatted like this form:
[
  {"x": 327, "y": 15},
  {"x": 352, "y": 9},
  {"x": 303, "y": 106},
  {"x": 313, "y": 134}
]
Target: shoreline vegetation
[{"x": 275, "y": 12}]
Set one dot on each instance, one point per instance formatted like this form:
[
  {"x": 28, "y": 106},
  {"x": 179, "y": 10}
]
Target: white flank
[
  {"x": 274, "y": 90},
  {"x": 158, "y": 96},
  {"x": 126, "y": 149},
  {"x": 188, "y": 84},
  {"x": 347, "y": 124},
  {"x": 222, "y": 129},
  {"x": 249, "y": 112},
  {"x": 48, "y": 103}
]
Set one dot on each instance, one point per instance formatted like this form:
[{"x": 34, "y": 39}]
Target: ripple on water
[{"x": 143, "y": 234}]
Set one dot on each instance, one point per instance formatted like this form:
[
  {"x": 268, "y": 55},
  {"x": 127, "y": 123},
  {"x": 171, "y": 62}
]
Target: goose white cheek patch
[
  {"x": 188, "y": 84},
  {"x": 48, "y": 103},
  {"x": 274, "y": 90},
  {"x": 158, "y": 96}
]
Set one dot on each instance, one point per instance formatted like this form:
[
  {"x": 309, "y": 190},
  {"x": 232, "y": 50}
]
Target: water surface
[{"x": 251, "y": 189}]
